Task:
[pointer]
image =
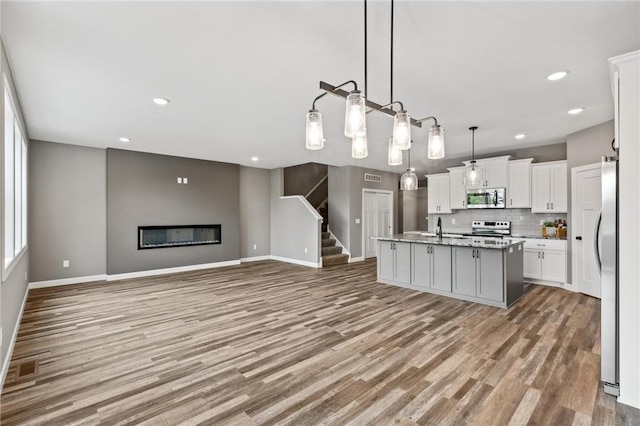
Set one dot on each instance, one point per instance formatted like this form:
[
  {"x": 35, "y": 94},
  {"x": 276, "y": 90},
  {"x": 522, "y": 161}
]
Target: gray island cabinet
[{"x": 482, "y": 270}]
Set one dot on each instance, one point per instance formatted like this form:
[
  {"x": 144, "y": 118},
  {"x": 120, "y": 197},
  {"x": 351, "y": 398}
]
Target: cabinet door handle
[
  {"x": 551, "y": 206},
  {"x": 547, "y": 206},
  {"x": 538, "y": 255},
  {"x": 543, "y": 255},
  {"x": 510, "y": 201},
  {"x": 478, "y": 254},
  {"x": 463, "y": 202},
  {"x": 473, "y": 253}
]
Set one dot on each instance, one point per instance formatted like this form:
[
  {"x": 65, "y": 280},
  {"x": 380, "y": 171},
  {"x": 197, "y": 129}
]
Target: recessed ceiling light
[
  {"x": 520, "y": 136},
  {"x": 125, "y": 139},
  {"x": 557, "y": 75},
  {"x": 575, "y": 111},
  {"x": 254, "y": 158},
  {"x": 160, "y": 101}
]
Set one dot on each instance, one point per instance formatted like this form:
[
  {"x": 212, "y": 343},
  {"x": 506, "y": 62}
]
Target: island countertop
[{"x": 476, "y": 242}]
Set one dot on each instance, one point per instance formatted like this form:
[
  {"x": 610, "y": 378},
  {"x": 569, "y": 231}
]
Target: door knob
[{"x": 579, "y": 238}]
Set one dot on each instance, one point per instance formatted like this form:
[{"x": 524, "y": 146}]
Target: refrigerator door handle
[{"x": 596, "y": 235}]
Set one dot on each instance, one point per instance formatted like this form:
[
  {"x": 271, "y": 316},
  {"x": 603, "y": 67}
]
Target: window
[{"x": 15, "y": 183}]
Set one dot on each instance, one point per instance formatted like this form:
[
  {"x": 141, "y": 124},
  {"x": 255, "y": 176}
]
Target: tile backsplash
[{"x": 523, "y": 222}]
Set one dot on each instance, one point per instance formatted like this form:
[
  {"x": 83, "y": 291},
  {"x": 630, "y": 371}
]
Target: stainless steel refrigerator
[{"x": 607, "y": 254}]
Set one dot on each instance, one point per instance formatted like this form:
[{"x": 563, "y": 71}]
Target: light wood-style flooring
[{"x": 274, "y": 343}]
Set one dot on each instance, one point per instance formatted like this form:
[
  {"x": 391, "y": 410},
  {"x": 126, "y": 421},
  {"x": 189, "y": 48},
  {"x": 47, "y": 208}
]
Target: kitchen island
[{"x": 482, "y": 270}]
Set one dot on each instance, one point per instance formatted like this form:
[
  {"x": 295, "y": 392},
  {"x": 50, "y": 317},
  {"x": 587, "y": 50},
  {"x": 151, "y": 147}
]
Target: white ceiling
[{"x": 242, "y": 75}]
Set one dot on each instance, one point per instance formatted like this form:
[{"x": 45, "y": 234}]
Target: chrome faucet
[{"x": 439, "y": 229}]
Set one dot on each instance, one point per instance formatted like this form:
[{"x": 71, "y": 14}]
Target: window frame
[{"x": 20, "y": 149}]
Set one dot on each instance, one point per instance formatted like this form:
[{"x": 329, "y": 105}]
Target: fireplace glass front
[{"x": 151, "y": 237}]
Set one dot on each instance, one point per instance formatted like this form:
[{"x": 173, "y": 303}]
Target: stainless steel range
[{"x": 487, "y": 228}]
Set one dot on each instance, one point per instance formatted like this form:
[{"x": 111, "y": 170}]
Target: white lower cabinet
[
  {"x": 478, "y": 273},
  {"x": 545, "y": 260},
  {"x": 394, "y": 261},
  {"x": 431, "y": 266}
]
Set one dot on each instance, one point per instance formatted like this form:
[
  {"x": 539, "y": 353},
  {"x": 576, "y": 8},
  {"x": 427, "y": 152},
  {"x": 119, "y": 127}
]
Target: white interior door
[
  {"x": 377, "y": 214},
  {"x": 586, "y": 202}
]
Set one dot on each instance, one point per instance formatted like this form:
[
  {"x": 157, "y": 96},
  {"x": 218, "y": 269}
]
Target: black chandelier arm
[
  {"x": 428, "y": 118},
  {"x": 313, "y": 105},
  {"x": 355, "y": 85},
  {"x": 393, "y": 103},
  {"x": 370, "y": 104}
]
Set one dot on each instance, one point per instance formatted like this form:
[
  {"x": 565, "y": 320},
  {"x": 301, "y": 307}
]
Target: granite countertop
[{"x": 477, "y": 242}]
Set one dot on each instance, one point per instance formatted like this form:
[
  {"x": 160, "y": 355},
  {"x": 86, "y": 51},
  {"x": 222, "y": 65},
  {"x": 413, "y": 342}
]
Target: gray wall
[
  {"x": 14, "y": 288},
  {"x": 255, "y": 212},
  {"x": 68, "y": 211},
  {"x": 540, "y": 154},
  {"x": 295, "y": 226},
  {"x": 413, "y": 208},
  {"x": 142, "y": 190},
  {"x": 345, "y": 202},
  {"x": 585, "y": 147},
  {"x": 339, "y": 207}
]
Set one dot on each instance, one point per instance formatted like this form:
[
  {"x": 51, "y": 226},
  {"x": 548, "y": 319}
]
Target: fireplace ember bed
[{"x": 152, "y": 237}]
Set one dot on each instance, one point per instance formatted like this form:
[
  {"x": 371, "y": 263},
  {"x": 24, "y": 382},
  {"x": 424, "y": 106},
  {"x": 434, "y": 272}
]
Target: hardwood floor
[{"x": 273, "y": 343}]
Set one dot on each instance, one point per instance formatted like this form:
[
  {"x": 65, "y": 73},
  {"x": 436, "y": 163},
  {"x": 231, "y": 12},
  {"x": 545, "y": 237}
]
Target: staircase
[
  {"x": 331, "y": 254},
  {"x": 311, "y": 180}
]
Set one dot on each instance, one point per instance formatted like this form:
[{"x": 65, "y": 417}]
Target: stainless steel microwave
[{"x": 486, "y": 198}]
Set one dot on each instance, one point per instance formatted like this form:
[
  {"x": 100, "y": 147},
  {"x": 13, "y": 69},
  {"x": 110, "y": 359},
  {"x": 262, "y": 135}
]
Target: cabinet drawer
[{"x": 542, "y": 244}]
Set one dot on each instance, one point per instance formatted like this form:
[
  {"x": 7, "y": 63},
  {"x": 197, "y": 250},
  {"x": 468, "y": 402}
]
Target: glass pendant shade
[
  {"x": 436, "y": 143},
  {"x": 402, "y": 130},
  {"x": 409, "y": 181},
  {"x": 355, "y": 115},
  {"x": 472, "y": 175},
  {"x": 359, "y": 147},
  {"x": 315, "y": 138},
  {"x": 395, "y": 154}
]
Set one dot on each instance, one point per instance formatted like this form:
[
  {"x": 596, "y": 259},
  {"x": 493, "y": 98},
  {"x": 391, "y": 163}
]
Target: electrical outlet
[
  {"x": 521, "y": 218},
  {"x": 453, "y": 221},
  {"x": 65, "y": 263},
  {"x": 305, "y": 250},
  {"x": 255, "y": 247},
  {"x": 180, "y": 180},
  {"x": 358, "y": 221},
  {"x": 185, "y": 180}
]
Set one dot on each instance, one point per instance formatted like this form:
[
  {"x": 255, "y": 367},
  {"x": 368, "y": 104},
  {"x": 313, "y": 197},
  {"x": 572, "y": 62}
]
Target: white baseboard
[
  {"x": 14, "y": 336},
  {"x": 297, "y": 262},
  {"x": 67, "y": 281},
  {"x": 255, "y": 258},
  {"x": 356, "y": 259},
  {"x": 630, "y": 403},
  {"x": 164, "y": 271}
]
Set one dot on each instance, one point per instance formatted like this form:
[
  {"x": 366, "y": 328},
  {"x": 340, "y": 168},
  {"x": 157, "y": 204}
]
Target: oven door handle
[{"x": 495, "y": 198}]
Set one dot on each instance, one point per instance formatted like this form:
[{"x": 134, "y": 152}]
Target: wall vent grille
[{"x": 368, "y": 177}]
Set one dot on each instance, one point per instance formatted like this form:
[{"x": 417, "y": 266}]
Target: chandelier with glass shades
[{"x": 357, "y": 108}]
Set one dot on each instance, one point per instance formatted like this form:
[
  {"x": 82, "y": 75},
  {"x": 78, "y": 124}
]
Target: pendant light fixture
[
  {"x": 409, "y": 180},
  {"x": 355, "y": 115},
  {"x": 395, "y": 155},
  {"x": 472, "y": 173},
  {"x": 359, "y": 147},
  {"x": 357, "y": 106}
]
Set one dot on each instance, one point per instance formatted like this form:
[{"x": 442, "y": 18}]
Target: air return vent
[{"x": 368, "y": 177}]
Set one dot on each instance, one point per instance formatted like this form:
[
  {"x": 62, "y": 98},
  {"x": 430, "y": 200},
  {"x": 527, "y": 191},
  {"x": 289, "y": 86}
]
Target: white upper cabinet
[
  {"x": 549, "y": 187},
  {"x": 519, "y": 189},
  {"x": 494, "y": 172},
  {"x": 438, "y": 193},
  {"x": 457, "y": 190}
]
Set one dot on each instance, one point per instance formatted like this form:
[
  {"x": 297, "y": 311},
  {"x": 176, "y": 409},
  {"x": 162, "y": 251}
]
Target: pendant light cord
[
  {"x": 366, "y": 93},
  {"x": 391, "y": 56}
]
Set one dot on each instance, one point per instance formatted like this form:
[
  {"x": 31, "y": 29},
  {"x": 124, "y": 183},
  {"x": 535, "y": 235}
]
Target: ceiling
[{"x": 242, "y": 75}]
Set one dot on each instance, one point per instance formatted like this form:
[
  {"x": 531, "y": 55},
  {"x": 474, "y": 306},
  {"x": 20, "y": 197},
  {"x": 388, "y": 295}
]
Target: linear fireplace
[{"x": 151, "y": 237}]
